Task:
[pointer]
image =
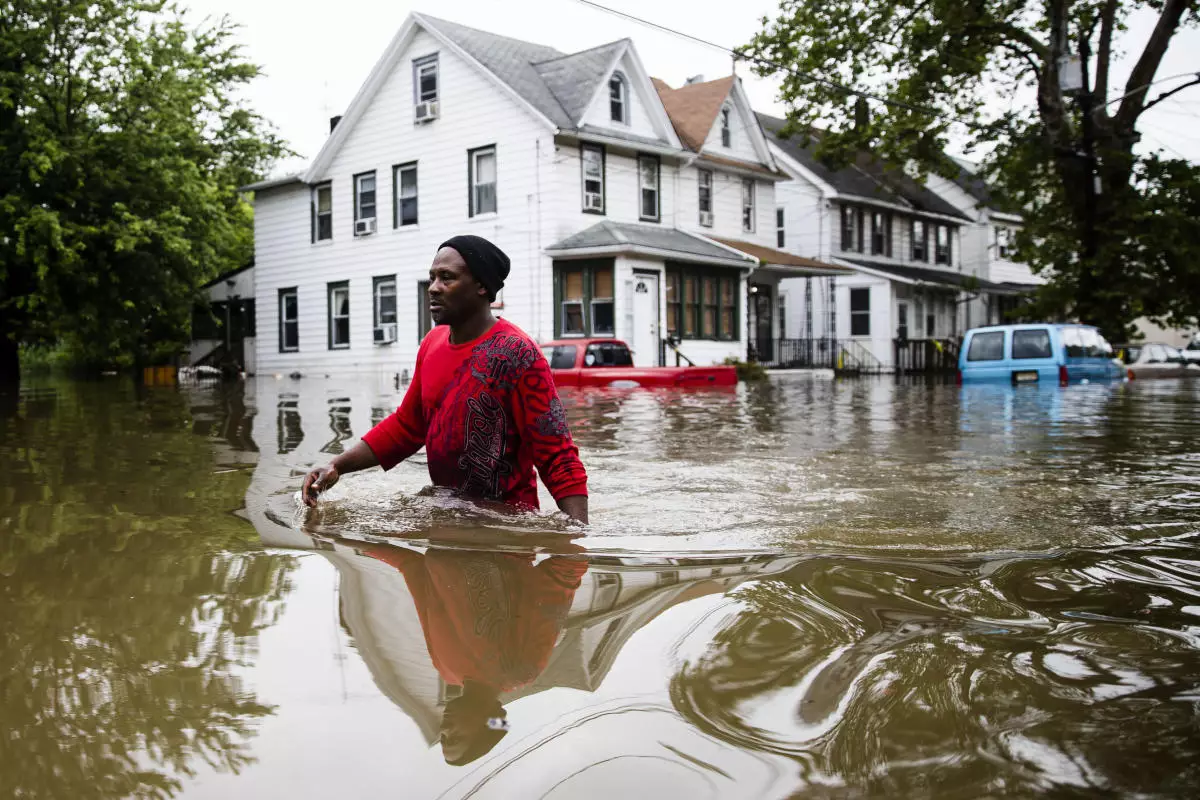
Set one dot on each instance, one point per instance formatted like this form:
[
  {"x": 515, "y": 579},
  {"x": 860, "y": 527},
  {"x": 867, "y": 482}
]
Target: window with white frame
[
  {"x": 706, "y": 195},
  {"x": 404, "y": 195},
  {"x": 919, "y": 238},
  {"x": 726, "y": 132},
  {"x": 881, "y": 233},
  {"x": 385, "y": 300},
  {"x": 339, "y": 315},
  {"x": 780, "y": 233},
  {"x": 602, "y": 302},
  {"x": 289, "y": 320},
  {"x": 425, "y": 79},
  {"x": 941, "y": 245},
  {"x": 852, "y": 229},
  {"x": 860, "y": 312},
  {"x": 481, "y": 166},
  {"x": 618, "y": 98},
  {"x": 748, "y": 205},
  {"x": 648, "y": 175},
  {"x": 593, "y": 178},
  {"x": 322, "y": 212},
  {"x": 1003, "y": 242},
  {"x": 364, "y": 196},
  {"x": 424, "y": 314}
]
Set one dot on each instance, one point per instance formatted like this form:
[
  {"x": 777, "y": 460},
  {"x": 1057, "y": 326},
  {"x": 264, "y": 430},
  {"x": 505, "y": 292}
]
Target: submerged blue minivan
[{"x": 1036, "y": 353}]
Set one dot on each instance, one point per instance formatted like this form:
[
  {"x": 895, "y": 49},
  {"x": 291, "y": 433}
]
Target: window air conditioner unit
[
  {"x": 706, "y": 218},
  {"x": 385, "y": 334},
  {"x": 427, "y": 111},
  {"x": 593, "y": 202},
  {"x": 363, "y": 227}
]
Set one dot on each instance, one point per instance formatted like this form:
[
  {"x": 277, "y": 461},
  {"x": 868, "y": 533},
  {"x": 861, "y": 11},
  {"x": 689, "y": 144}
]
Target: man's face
[{"x": 454, "y": 294}]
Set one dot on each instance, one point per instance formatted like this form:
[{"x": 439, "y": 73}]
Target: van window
[
  {"x": 1072, "y": 342},
  {"x": 1130, "y": 354},
  {"x": 1034, "y": 343},
  {"x": 986, "y": 347},
  {"x": 562, "y": 356}
]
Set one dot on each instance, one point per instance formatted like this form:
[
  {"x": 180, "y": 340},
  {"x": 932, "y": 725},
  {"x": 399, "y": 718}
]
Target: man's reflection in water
[{"x": 491, "y": 621}]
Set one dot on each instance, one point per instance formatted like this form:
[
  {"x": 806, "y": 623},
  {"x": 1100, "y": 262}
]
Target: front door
[
  {"x": 646, "y": 344},
  {"x": 763, "y": 315}
]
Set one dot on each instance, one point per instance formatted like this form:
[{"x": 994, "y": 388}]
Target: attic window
[
  {"x": 618, "y": 98},
  {"x": 726, "y": 133}
]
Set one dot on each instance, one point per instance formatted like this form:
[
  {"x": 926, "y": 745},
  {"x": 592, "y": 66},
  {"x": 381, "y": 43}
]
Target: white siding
[
  {"x": 564, "y": 213},
  {"x": 741, "y": 144},
  {"x": 471, "y": 110},
  {"x": 640, "y": 122}
]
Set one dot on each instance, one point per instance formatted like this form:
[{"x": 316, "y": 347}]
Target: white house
[
  {"x": 903, "y": 242},
  {"x": 987, "y": 244},
  {"x": 568, "y": 162}
]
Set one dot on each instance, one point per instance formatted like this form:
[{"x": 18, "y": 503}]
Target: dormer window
[
  {"x": 618, "y": 98},
  {"x": 726, "y": 133}
]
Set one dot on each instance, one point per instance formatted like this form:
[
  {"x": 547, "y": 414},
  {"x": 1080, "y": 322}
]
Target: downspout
[{"x": 537, "y": 171}]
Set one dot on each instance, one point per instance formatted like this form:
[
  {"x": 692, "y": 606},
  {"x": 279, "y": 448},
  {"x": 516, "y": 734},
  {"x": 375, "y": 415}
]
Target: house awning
[
  {"x": 925, "y": 276},
  {"x": 784, "y": 263},
  {"x": 618, "y": 238}
]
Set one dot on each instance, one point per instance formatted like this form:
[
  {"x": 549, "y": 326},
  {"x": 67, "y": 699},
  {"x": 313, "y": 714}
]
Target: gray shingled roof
[
  {"x": 573, "y": 79},
  {"x": 867, "y": 177},
  {"x": 622, "y": 234},
  {"x": 558, "y": 85},
  {"x": 928, "y": 275}
]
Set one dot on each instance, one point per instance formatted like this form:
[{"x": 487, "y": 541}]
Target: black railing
[
  {"x": 925, "y": 355},
  {"x": 841, "y": 355}
]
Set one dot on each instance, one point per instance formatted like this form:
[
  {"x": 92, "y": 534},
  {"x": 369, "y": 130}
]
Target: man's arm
[
  {"x": 387, "y": 444},
  {"x": 542, "y": 421}
]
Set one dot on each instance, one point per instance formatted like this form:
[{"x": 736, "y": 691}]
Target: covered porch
[{"x": 769, "y": 340}]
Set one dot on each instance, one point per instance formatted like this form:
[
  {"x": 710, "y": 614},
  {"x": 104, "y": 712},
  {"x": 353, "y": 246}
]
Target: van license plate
[{"x": 1030, "y": 376}]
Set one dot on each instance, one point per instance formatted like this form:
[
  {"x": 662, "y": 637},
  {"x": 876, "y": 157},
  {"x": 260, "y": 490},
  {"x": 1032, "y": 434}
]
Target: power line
[{"x": 933, "y": 112}]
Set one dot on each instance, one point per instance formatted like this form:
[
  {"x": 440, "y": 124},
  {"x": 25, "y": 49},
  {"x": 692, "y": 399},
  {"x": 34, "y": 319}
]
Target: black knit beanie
[{"x": 487, "y": 262}]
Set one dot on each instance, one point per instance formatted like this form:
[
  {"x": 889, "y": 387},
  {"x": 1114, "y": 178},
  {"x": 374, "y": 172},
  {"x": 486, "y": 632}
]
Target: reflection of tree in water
[
  {"x": 131, "y": 599},
  {"x": 901, "y": 678}
]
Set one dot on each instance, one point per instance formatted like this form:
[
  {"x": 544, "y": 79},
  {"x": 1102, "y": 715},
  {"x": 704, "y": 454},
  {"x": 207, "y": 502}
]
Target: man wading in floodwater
[{"x": 482, "y": 400}]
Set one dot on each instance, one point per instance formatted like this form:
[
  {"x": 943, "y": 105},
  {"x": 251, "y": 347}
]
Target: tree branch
[
  {"x": 1165, "y": 95},
  {"x": 1104, "y": 55},
  {"x": 1143, "y": 72}
]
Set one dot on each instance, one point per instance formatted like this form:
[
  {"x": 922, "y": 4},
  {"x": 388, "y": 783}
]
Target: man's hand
[
  {"x": 316, "y": 481},
  {"x": 575, "y": 507}
]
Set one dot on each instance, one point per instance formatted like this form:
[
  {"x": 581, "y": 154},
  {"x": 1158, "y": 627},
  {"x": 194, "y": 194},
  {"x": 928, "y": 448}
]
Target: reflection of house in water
[{"x": 616, "y": 598}]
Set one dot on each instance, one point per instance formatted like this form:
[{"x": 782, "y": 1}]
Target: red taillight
[
  {"x": 1129, "y": 373},
  {"x": 958, "y": 378},
  {"x": 1063, "y": 377}
]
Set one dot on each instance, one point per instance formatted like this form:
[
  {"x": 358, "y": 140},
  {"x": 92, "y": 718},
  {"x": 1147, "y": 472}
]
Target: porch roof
[
  {"x": 783, "y": 262},
  {"x": 938, "y": 277},
  {"x": 612, "y": 238}
]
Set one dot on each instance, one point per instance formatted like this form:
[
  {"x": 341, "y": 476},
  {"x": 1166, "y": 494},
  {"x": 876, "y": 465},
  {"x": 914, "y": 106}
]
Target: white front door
[{"x": 645, "y": 342}]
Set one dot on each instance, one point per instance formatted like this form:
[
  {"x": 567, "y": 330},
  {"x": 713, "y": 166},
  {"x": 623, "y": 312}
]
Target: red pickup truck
[{"x": 607, "y": 362}]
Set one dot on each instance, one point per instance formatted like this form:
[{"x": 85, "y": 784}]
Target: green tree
[
  {"x": 123, "y": 139},
  {"x": 1116, "y": 232}
]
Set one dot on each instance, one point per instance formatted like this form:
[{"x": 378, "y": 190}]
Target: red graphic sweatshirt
[{"x": 487, "y": 413}]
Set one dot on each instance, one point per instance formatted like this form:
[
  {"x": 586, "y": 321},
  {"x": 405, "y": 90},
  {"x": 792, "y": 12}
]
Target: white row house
[
  {"x": 913, "y": 252},
  {"x": 627, "y": 208}
]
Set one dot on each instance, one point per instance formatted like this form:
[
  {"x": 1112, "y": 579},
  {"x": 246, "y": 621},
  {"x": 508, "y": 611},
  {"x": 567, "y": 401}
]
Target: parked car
[
  {"x": 608, "y": 362},
  {"x": 1192, "y": 351},
  {"x": 1155, "y": 360},
  {"x": 1036, "y": 353}
]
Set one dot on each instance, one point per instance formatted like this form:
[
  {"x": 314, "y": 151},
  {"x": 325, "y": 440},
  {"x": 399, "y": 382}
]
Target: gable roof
[
  {"x": 573, "y": 79},
  {"x": 693, "y": 108},
  {"x": 510, "y": 60},
  {"x": 867, "y": 176}
]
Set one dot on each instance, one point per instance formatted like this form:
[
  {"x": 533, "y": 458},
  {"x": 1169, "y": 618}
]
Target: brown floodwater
[{"x": 806, "y": 588}]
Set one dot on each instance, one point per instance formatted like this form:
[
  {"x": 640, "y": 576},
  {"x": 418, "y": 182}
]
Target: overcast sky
[{"x": 316, "y": 54}]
